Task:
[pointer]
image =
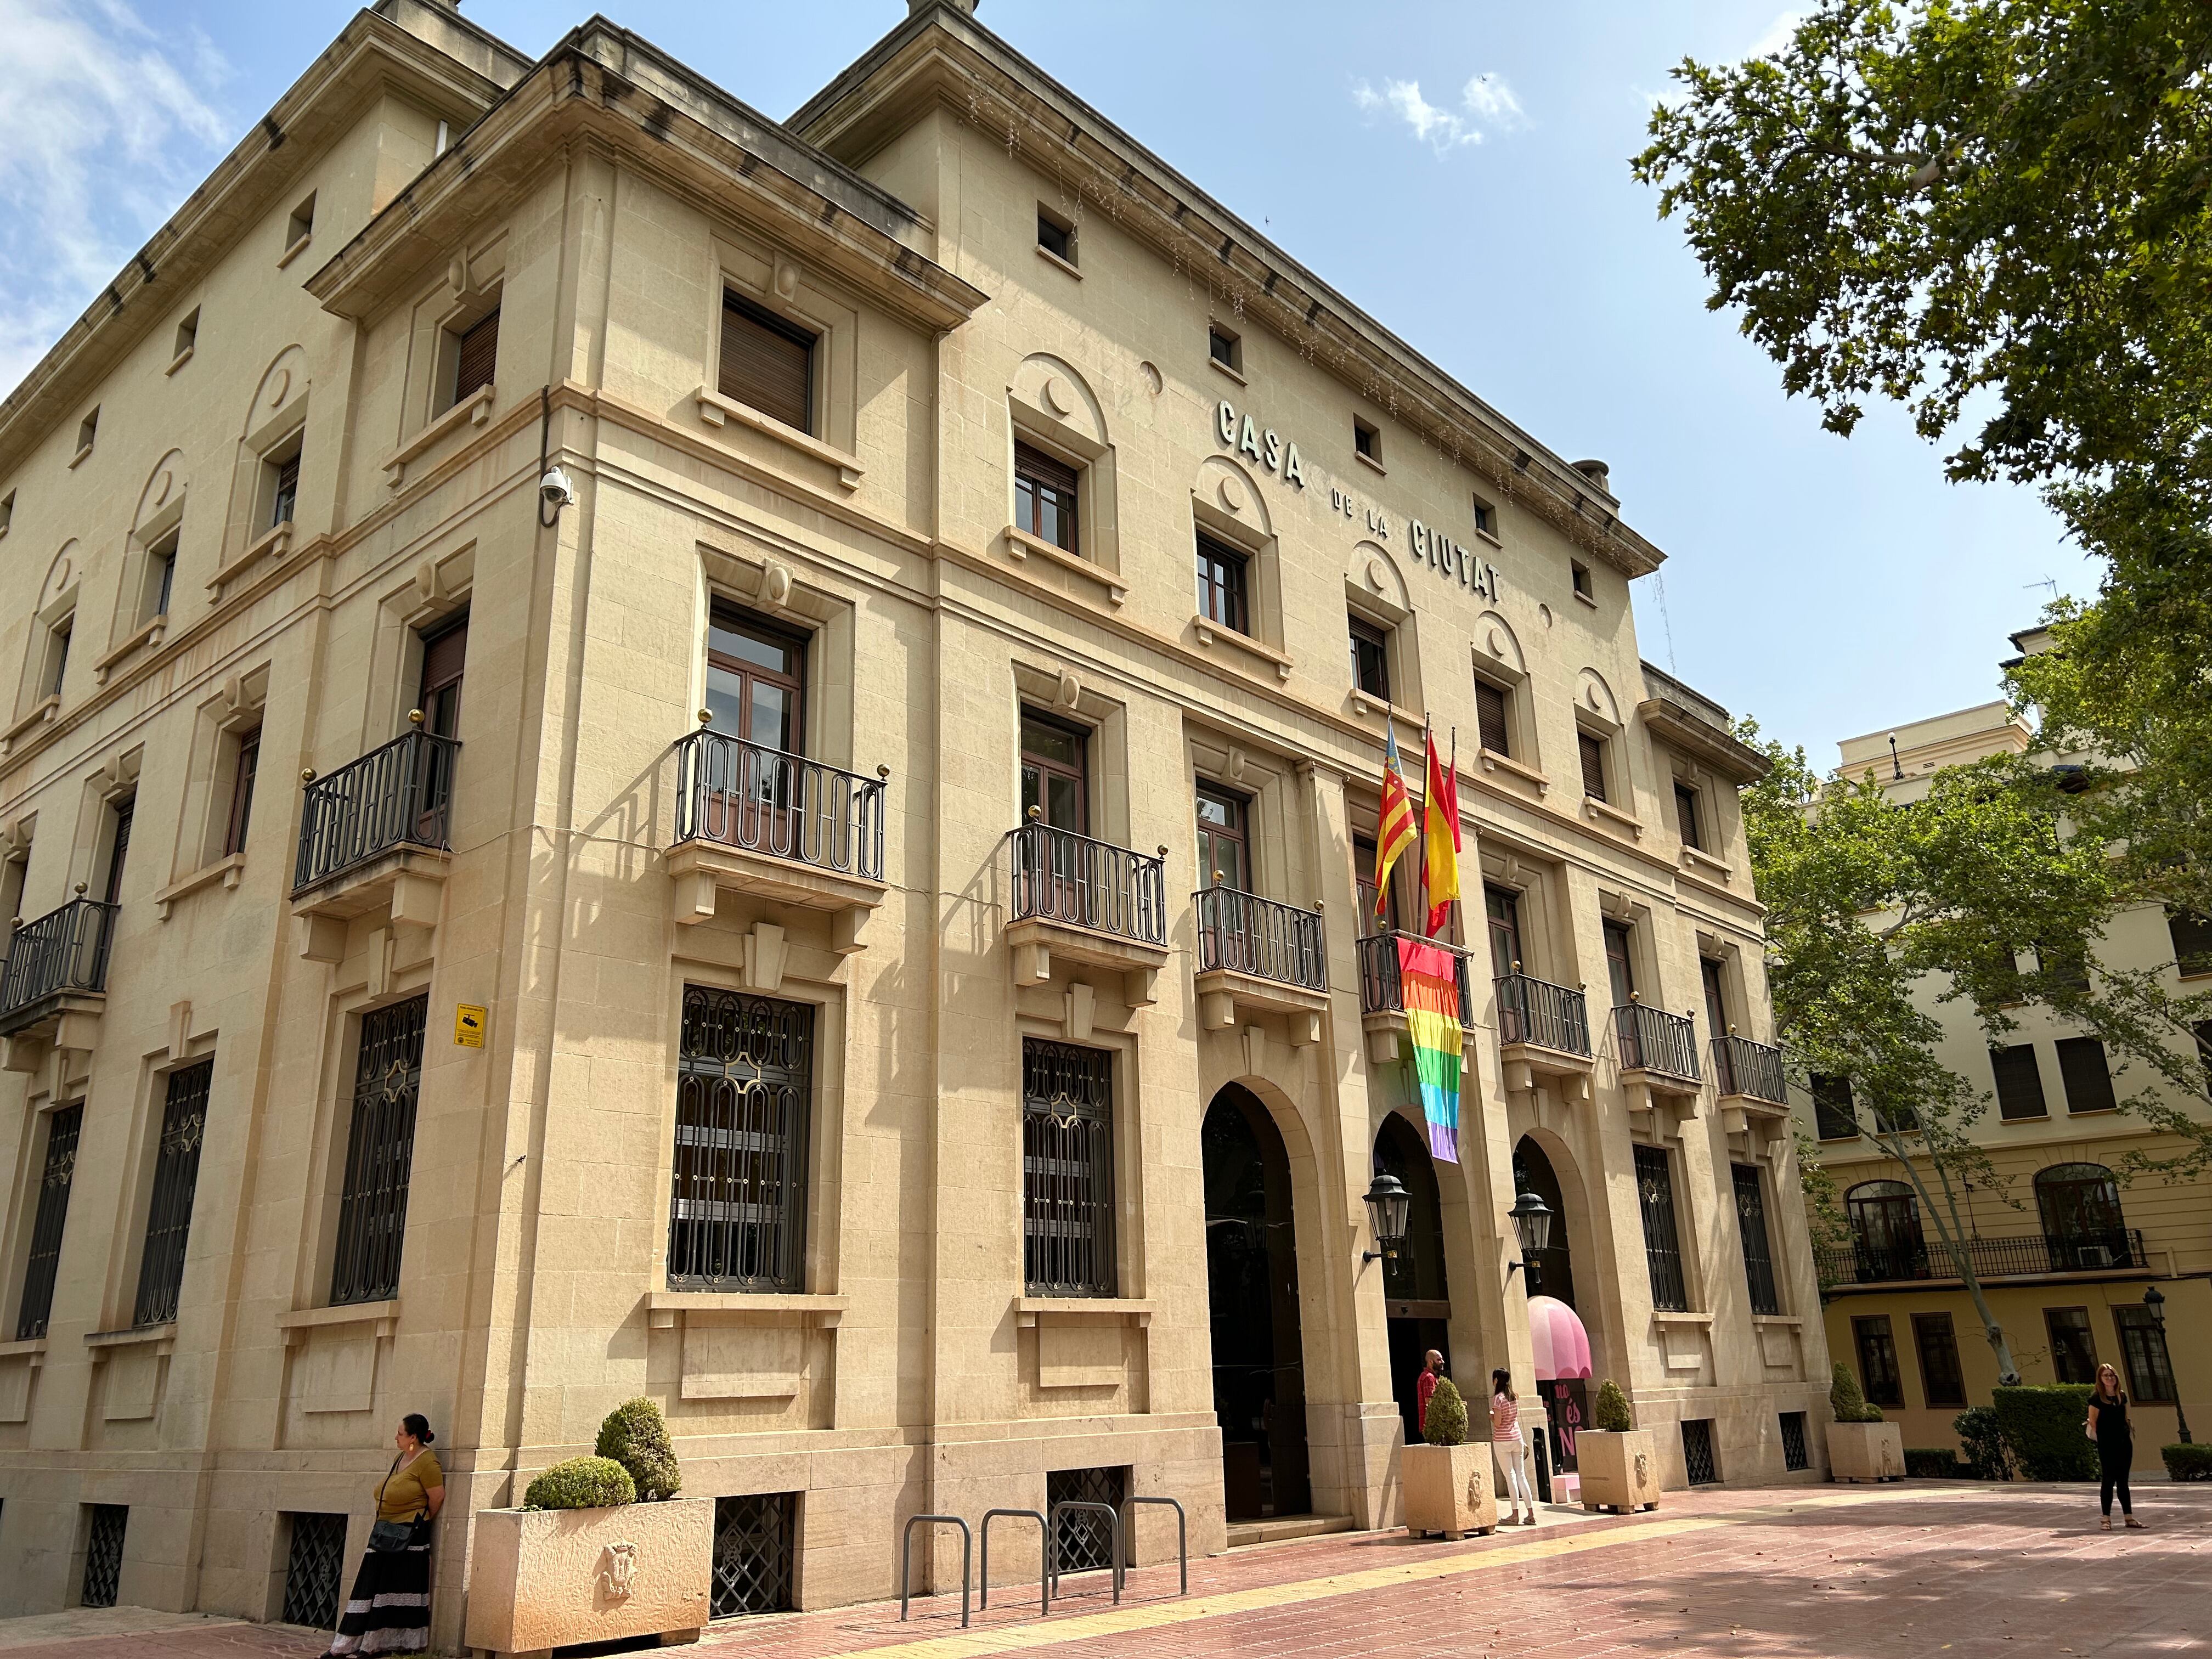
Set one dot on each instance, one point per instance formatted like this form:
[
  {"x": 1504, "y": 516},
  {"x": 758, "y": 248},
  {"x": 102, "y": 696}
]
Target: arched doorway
[
  {"x": 1414, "y": 1293},
  {"x": 1554, "y": 1265},
  {"x": 1252, "y": 1290},
  {"x": 1551, "y": 1274}
]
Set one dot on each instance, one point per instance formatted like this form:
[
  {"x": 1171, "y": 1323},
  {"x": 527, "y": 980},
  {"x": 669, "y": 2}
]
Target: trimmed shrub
[
  {"x": 2042, "y": 1428},
  {"x": 1931, "y": 1462},
  {"x": 635, "y": 1436},
  {"x": 581, "y": 1482},
  {"x": 1981, "y": 1442},
  {"x": 1446, "y": 1423},
  {"x": 2191, "y": 1462},
  {"x": 1610, "y": 1414},
  {"x": 1846, "y": 1400}
]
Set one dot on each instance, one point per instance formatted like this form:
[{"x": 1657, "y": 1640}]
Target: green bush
[
  {"x": 1610, "y": 1414},
  {"x": 1848, "y": 1403},
  {"x": 1446, "y": 1422},
  {"x": 2042, "y": 1430},
  {"x": 2191, "y": 1462},
  {"x": 1931, "y": 1462},
  {"x": 635, "y": 1436},
  {"x": 1981, "y": 1442},
  {"x": 581, "y": 1482}
]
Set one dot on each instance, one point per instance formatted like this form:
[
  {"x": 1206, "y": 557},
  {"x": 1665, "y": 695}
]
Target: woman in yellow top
[{"x": 389, "y": 1611}]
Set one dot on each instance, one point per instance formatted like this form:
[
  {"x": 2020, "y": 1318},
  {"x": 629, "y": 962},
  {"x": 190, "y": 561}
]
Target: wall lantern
[
  {"x": 1389, "y": 1204},
  {"x": 1531, "y": 1225}
]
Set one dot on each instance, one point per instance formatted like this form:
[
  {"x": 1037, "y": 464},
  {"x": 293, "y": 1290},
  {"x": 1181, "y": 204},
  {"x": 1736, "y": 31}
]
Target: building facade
[{"x": 736, "y": 761}]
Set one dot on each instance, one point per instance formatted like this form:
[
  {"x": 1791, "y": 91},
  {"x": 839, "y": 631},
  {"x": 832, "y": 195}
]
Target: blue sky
[{"x": 1459, "y": 169}]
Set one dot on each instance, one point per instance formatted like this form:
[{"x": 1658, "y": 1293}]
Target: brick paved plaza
[{"x": 1917, "y": 1569}]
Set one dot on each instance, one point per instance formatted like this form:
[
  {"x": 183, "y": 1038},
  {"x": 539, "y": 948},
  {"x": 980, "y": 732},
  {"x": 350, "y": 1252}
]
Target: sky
[{"x": 1459, "y": 169}]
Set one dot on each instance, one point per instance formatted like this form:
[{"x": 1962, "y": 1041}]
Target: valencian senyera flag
[
  {"x": 1395, "y": 830},
  {"x": 1440, "y": 820},
  {"x": 1428, "y": 990}
]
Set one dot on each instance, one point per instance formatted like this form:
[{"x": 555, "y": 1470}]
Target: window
[
  {"x": 1366, "y": 441},
  {"x": 103, "y": 1554},
  {"x": 2191, "y": 934},
  {"x": 1501, "y": 909},
  {"x": 245, "y": 767},
  {"x": 2088, "y": 1079},
  {"x": 1376, "y": 910},
  {"x": 1495, "y": 733},
  {"x": 1941, "y": 1382},
  {"x": 122, "y": 814},
  {"x": 158, "y": 579},
  {"x": 756, "y": 1550},
  {"x": 1711, "y": 976},
  {"x": 1485, "y": 518},
  {"x": 50, "y": 1218},
  {"x": 314, "y": 1569},
  {"x": 6, "y": 513},
  {"x": 1879, "y": 1378},
  {"x": 1582, "y": 581},
  {"x": 88, "y": 430},
  {"x": 1758, "y": 1256},
  {"x": 1662, "y": 1252},
  {"x": 745, "y": 1080},
  {"x": 1371, "y": 658},
  {"x": 1885, "y": 1238},
  {"x": 445, "y": 655},
  {"x": 1224, "y": 348},
  {"x": 1832, "y": 1115},
  {"x": 756, "y": 680},
  {"x": 1619, "y": 966},
  {"x": 1796, "y": 1450},
  {"x": 380, "y": 1154},
  {"x": 1055, "y": 773},
  {"x": 475, "y": 356},
  {"x": 188, "y": 337},
  {"x": 2143, "y": 1347},
  {"x": 1685, "y": 817},
  {"x": 1222, "y": 575},
  {"x": 1698, "y": 1462},
  {"x": 1044, "y": 498},
  {"x": 2068, "y": 967},
  {"x": 2073, "y": 1345},
  {"x": 1591, "y": 750},
  {"x": 1068, "y": 1170},
  {"x": 1223, "y": 855},
  {"x": 301, "y": 225},
  {"x": 1056, "y": 236},
  {"x": 767, "y": 363},
  {"x": 284, "y": 488},
  {"x": 2083, "y": 1224},
  {"x": 176, "y": 1174},
  {"x": 2019, "y": 1083}
]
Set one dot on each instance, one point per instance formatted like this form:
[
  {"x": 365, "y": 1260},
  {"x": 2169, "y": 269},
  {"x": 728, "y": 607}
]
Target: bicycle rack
[
  {"x": 1182, "y": 1535},
  {"x": 1052, "y": 1539},
  {"x": 967, "y": 1553},
  {"x": 1044, "y": 1579}
]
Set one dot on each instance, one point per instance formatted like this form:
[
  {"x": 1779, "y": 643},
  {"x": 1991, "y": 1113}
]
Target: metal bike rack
[
  {"x": 1052, "y": 1539},
  {"x": 967, "y": 1557},
  {"x": 1044, "y": 1560},
  {"x": 1182, "y": 1535}
]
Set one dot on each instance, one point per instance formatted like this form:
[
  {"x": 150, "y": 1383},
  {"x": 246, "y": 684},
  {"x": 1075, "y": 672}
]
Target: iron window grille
[
  {"x": 103, "y": 1554},
  {"x": 756, "y": 1549},
  {"x": 1084, "y": 1541},
  {"x": 1757, "y": 1256},
  {"x": 1067, "y": 1169},
  {"x": 314, "y": 1569},
  {"x": 1662, "y": 1251},
  {"x": 1879, "y": 1380},
  {"x": 63, "y": 1128},
  {"x": 1796, "y": 1453},
  {"x": 1698, "y": 1457},
  {"x": 744, "y": 1088},
  {"x": 380, "y": 1154},
  {"x": 176, "y": 1175}
]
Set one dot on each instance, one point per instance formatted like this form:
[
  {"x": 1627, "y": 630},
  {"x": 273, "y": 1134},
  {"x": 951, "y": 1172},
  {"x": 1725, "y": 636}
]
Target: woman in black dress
[
  {"x": 2115, "y": 1436},
  {"x": 389, "y": 1611}
]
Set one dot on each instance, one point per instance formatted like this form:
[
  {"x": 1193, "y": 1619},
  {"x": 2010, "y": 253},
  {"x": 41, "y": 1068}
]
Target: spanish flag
[
  {"x": 1394, "y": 828},
  {"x": 1440, "y": 815}
]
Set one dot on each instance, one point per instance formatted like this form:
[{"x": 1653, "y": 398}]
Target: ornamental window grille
[
  {"x": 380, "y": 1154},
  {"x": 1796, "y": 1453},
  {"x": 745, "y": 1087},
  {"x": 1662, "y": 1250},
  {"x": 1702, "y": 1467},
  {"x": 63, "y": 1128},
  {"x": 314, "y": 1567},
  {"x": 756, "y": 1547},
  {"x": 176, "y": 1175},
  {"x": 1067, "y": 1169},
  {"x": 1084, "y": 1541},
  {"x": 1758, "y": 1250},
  {"x": 103, "y": 1554}
]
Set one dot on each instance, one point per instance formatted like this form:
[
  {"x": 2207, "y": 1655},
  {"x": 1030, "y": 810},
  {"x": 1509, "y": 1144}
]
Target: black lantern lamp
[
  {"x": 2156, "y": 1304},
  {"x": 1531, "y": 1225},
  {"x": 1389, "y": 1205}
]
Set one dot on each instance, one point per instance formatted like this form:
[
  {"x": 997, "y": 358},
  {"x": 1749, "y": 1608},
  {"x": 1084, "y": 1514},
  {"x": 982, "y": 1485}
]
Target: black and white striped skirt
[{"x": 389, "y": 1611}]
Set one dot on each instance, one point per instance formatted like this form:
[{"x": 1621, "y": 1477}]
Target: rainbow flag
[
  {"x": 1430, "y": 992},
  {"x": 1395, "y": 830}
]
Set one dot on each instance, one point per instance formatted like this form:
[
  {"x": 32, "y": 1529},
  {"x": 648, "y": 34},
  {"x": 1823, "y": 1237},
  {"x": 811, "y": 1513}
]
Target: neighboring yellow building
[
  {"x": 664, "y": 753},
  {"x": 2064, "y": 1251}
]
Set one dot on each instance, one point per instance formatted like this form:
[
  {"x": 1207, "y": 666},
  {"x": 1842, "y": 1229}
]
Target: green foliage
[
  {"x": 1446, "y": 1422},
  {"x": 1982, "y": 1443},
  {"x": 1849, "y": 1403},
  {"x": 2042, "y": 1429},
  {"x": 2190, "y": 1462},
  {"x": 1932, "y": 1463},
  {"x": 581, "y": 1482},
  {"x": 635, "y": 1436},
  {"x": 1609, "y": 1413}
]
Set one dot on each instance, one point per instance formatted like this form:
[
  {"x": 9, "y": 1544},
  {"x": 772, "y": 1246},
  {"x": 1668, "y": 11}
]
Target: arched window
[
  {"x": 2083, "y": 1226},
  {"x": 1886, "y": 1230}
]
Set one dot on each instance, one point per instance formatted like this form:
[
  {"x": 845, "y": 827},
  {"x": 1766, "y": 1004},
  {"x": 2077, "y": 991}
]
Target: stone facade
[{"x": 489, "y": 933}]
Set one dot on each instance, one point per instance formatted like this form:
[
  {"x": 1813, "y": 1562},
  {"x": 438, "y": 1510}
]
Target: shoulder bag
[{"x": 396, "y": 1535}]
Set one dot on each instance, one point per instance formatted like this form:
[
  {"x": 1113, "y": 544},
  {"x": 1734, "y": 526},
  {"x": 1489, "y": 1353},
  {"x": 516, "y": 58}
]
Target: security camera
[{"x": 554, "y": 489}]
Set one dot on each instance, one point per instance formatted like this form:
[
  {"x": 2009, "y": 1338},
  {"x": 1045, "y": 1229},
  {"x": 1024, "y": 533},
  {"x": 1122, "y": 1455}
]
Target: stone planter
[
  {"x": 541, "y": 1579},
  {"x": 1449, "y": 1490},
  {"x": 1617, "y": 1471},
  {"x": 1866, "y": 1451}
]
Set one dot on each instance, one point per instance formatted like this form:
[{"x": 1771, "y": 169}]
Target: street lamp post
[
  {"x": 2156, "y": 1304},
  {"x": 1531, "y": 1225},
  {"x": 1389, "y": 1204}
]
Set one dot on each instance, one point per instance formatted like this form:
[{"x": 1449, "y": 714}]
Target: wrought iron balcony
[
  {"x": 1872, "y": 1262},
  {"x": 1652, "y": 1039},
  {"x": 1380, "y": 989},
  {"x": 1548, "y": 1015},
  {"x": 62, "y": 954},
  {"x": 745, "y": 794},
  {"x": 397, "y": 796},
  {"x": 1245, "y": 934},
  {"x": 1753, "y": 1070},
  {"x": 1061, "y": 877}
]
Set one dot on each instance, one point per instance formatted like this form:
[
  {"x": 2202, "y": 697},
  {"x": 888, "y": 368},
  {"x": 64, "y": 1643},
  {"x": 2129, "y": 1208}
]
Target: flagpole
[
  {"x": 1451, "y": 781},
  {"x": 1421, "y": 891}
]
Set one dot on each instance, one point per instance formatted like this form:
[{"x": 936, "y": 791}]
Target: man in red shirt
[{"x": 1432, "y": 1367}]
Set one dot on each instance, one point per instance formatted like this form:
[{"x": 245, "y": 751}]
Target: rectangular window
[
  {"x": 125, "y": 813},
  {"x": 301, "y": 225},
  {"x": 2088, "y": 1079},
  {"x": 247, "y": 767},
  {"x": 756, "y": 1551},
  {"x": 1832, "y": 1115},
  {"x": 1879, "y": 1378},
  {"x": 1490, "y": 721},
  {"x": 2073, "y": 1345},
  {"x": 314, "y": 1568},
  {"x": 1224, "y": 348},
  {"x": 1485, "y": 518},
  {"x": 1056, "y": 236},
  {"x": 1619, "y": 963},
  {"x": 6, "y": 513},
  {"x": 1068, "y": 1170},
  {"x": 1221, "y": 585},
  {"x": 176, "y": 1174},
  {"x": 103, "y": 1555},
  {"x": 475, "y": 356},
  {"x": 1581, "y": 580},
  {"x": 380, "y": 1154},
  {"x": 87, "y": 433},
  {"x": 188, "y": 335},
  {"x": 1698, "y": 1462},
  {"x": 745, "y": 1092},
  {"x": 1224, "y": 859},
  {"x": 1055, "y": 773},
  {"x": 1713, "y": 977},
  {"x": 2143, "y": 1347},
  {"x": 1378, "y": 910},
  {"x": 159, "y": 578},
  {"x": 1371, "y": 658},
  {"x": 1941, "y": 1382},
  {"x": 2019, "y": 1083},
  {"x": 1662, "y": 1251},
  {"x": 1044, "y": 498},
  {"x": 1502, "y": 910},
  {"x": 1366, "y": 440},
  {"x": 1796, "y": 1450},
  {"x": 1758, "y": 1253},
  {"x": 767, "y": 363},
  {"x": 1085, "y": 1538},
  {"x": 1591, "y": 750},
  {"x": 756, "y": 680},
  {"x": 284, "y": 490},
  {"x": 2193, "y": 941},
  {"x": 1685, "y": 817},
  {"x": 49, "y": 1219},
  {"x": 57, "y": 650}
]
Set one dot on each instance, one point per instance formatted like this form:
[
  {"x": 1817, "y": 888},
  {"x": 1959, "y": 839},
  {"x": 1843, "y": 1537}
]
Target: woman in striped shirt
[{"x": 1512, "y": 1451}]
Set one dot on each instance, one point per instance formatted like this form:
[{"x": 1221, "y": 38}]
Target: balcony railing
[
  {"x": 1652, "y": 1039},
  {"x": 397, "y": 796},
  {"x": 1869, "y": 1262},
  {"x": 1247, "y": 934},
  {"x": 784, "y": 805},
  {"x": 1742, "y": 1067},
  {"x": 1549, "y": 1016},
  {"x": 1060, "y": 876},
  {"x": 63, "y": 950},
  {"x": 1379, "y": 991}
]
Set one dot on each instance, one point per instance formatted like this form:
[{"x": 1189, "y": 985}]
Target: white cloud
[
  {"x": 1485, "y": 101},
  {"x": 107, "y": 129},
  {"x": 1492, "y": 100},
  {"x": 1776, "y": 36}
]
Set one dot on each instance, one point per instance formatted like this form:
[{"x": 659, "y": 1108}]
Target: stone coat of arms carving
[{"x": 618, "y": 1572}]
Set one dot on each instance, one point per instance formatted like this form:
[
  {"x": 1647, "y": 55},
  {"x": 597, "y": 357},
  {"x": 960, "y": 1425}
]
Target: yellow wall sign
[{"x": 469, "y": 1021}]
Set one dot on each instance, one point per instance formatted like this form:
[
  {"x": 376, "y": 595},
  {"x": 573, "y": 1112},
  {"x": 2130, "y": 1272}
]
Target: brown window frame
[
  {"x": 1376, "y": 639},
  {"x": 1501, "y": 910},
  {"x": 1589, "y": 750},
  {"x": 1224, "y": 584},
  {"x": 1043, "y": 480},
  {"x": 1046, "y": 766},
  {"x": 475, "y": 356},
  {"x": 245, "y": 765},
  {"x": 438, "y": 688},
  {"x": 737, "y": 620},
  {"x": 1686, "y": 817},
  {"x": 1237, "y": 834},
  {"x": 1493, "y": 718}
]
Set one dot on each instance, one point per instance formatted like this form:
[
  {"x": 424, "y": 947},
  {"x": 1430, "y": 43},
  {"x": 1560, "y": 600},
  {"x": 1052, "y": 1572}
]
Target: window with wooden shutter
[
  {"x": 1489, "y": 719},
  {"x": 767, "y": 363},
  {"x": 477, "y": 359},
  {"x": 1592, "y": 751},
  {"x": 1686, "y": 816}
]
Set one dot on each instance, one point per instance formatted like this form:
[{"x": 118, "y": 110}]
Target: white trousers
[{"x": 1513, "y": 1455}]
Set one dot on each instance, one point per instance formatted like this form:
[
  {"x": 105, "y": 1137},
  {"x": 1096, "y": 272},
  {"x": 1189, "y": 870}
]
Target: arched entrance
[
  {"x": 1252, "y": 1290},
  {"x": 1555, "y": 1267},
  {"x": 1415, "y": 1292},
  {"x": 1551, "y": 1274}
]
